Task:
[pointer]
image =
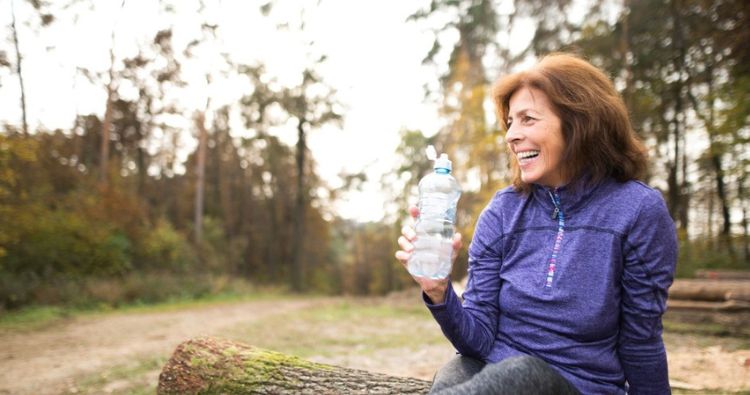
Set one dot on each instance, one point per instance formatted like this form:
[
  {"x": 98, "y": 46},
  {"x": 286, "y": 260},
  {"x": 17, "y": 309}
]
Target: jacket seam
[{"x": 641, "y": 263}]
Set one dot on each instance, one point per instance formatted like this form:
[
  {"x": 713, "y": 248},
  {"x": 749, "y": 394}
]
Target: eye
[
  {"x": 527, "y": 119},
  {"x": 508, "y": 123}
]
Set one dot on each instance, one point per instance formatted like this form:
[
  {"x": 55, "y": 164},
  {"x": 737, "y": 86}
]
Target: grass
[
  {"x": 134, "y": 378},
  {"x": 373, "y": 328},
  {"x": 33, "y": 318},
  {"x": 704, "y": 329},
  {"x": 342, "y": 327},
  {"x": 335, "y": 327},
  {"x": 731, "y": 330},
  {"x": 41, "y": 317}
]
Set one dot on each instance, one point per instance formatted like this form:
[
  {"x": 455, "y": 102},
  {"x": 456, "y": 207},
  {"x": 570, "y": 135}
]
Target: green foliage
[
  {"x": 135, "y": 288},
  {"x": 52, "y": 242},
  {"x": 708, "y": 253},
  {"x": 164, "y": 248}
]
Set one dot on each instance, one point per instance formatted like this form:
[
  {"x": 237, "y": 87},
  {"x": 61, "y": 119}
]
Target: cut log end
[{"x": 210, "y": 365}]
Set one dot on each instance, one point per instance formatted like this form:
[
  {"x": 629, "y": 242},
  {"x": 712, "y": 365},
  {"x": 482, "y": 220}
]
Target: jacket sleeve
[
  {"x": 650, "y": 257},
  {"x": 471, "y": 327}
]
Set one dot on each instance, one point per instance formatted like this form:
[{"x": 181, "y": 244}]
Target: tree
[
  {"x": 684, "y": 82},
  {"x": 19, "y": 68},
  {"x": 45, "y": 19},
  {"x": 111, "y": 89},
  {"x": 312, "y": 104}
]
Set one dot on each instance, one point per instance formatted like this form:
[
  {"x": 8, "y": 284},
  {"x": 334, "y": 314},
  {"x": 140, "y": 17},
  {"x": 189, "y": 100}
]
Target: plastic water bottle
[{"x": 438, "y": 197}]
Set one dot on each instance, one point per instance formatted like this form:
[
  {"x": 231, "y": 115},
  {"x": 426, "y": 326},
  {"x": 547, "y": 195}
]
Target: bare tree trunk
[
  {"x": 362, "y": 264},
  {"x": 106, "y": 126},
  {"x": 107, "y": 121},
  {"x": 272, "y": 249},
  {"x": 200, "y": 172},
  {"x": 745, "y": 225},
  {"x": 680, "y": 185},
  {"x": 625, "y": 54},
  {"x": 710, "y": 216},
  {"x": 298, "y": 220},
  {"x": 19, "y": 58},
  {"x": 725, "y": 235},
  {"x": 216, "y": 366},
  {"x": 721, "y": 190}
]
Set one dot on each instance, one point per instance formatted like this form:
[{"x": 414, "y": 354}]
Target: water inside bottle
[{"x": 434, "y": 257}]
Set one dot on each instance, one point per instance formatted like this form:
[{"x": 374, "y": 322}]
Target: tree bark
[
  {"x": 744, "y": 221},
  {"x": 200, "y": 174},
  {"x": 106, "y": 127},
  {"x": 25, "y": 126},
  {"x": 298, "y": 235},
  {"x": 107, "y": 121},
  {"x": 216, "y": 366}
]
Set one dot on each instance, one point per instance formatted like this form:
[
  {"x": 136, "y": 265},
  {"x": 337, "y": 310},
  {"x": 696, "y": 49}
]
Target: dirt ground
[{"x": 53, "y": 360}]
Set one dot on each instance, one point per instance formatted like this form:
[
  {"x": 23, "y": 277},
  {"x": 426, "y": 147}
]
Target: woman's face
[{"x": 535, "y": 138}]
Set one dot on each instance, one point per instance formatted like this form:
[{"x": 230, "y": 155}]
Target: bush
[
  {"x": 50, "y": 243},
  {"x": 109, "y": 292},
  {"x": 163, "y": 248}
]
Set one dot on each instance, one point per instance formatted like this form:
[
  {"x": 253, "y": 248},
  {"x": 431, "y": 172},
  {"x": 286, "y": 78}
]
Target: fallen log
[
  {"x": 217, "y": 366},
  {"x": 710, "y": 290},
  {"x": 729, "y": 306}
]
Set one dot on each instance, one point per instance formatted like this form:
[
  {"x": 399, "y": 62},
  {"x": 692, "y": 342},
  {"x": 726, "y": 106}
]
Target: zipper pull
[{"x": 556, "y": 211}]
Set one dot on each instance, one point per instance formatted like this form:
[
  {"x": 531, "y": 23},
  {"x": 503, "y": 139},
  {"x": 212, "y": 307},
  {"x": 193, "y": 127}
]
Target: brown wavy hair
[{"x": 599, "y": 138}]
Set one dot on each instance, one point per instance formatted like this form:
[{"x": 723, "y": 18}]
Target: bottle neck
[{"x": 442, "y": 170}]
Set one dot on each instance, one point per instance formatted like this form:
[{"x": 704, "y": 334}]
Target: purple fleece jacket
[{"x": 575, "y": 276}]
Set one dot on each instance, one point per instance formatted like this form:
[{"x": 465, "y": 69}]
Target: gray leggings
[{"x": 518, "y": 375}]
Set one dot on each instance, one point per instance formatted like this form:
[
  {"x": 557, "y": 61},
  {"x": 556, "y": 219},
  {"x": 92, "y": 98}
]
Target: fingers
[
  {"x": 405, "y": 242},
  {"x": 414, "y": 211},
  {"x": 457, "y": 243},
  {"x": 409, "y": 233},
  {"x": 403, "y": 257}
]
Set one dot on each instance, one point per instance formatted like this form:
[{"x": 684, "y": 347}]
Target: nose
[{"x": 512, "y": 135}]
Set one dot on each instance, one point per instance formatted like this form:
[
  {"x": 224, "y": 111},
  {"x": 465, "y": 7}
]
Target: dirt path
[
  {"x": 56, "y": 359},
  {"x": 46, "y": 361}
]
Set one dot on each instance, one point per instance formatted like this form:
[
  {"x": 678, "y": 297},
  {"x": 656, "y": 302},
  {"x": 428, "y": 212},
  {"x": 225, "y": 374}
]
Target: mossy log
[{"x": 217, "y": 366}]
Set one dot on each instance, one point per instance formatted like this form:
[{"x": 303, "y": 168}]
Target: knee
[
  {"x": 522, "y": 363},
  {"x": 460, "y": 366},
  {"x": 456, "y": 371}
]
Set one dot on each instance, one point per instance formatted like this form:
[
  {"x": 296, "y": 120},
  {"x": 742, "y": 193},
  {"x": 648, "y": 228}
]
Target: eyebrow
[{"x": 519, "y": 113}]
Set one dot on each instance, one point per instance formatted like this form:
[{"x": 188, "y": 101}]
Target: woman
[{"x": 569, "y": 267}]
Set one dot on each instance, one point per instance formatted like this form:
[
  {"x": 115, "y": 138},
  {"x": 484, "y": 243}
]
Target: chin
[{"x": 529, "y": 179}]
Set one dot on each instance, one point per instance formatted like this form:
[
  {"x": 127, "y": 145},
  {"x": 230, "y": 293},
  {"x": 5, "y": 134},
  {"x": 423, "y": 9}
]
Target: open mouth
[{"x": 526, "y": 156}]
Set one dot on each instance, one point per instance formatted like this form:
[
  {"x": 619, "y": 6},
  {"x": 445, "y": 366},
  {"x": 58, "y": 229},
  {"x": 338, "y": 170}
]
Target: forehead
[{"x": 526, "y": 98}]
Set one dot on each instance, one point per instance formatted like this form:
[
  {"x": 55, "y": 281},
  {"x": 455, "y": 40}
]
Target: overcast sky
[{"x": 374, "y": 61}]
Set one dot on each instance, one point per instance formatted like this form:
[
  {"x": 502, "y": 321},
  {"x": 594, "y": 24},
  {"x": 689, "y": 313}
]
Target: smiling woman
[
  {"x": 570, "y": 302},
  {"x": 567, "y": 95},
  {"x": 536, "y": 138}
]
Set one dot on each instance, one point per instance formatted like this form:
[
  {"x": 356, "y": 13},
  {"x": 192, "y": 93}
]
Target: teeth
[{"x": 527, "y": 154}]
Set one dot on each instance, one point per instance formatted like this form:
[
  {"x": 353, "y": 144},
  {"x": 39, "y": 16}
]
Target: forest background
[{"x": 160, "y": 194}]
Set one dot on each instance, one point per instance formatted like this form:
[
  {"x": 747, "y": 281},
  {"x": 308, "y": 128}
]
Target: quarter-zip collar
[{"x": 570, "y": 197}]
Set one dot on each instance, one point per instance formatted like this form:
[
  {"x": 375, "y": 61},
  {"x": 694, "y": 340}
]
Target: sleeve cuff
[
  {"x": 442, "y": 312},
  {"x": 428, "y": 301}
]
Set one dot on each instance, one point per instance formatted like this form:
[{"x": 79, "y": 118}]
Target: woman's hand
[{"x": 434, "y": 289}]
